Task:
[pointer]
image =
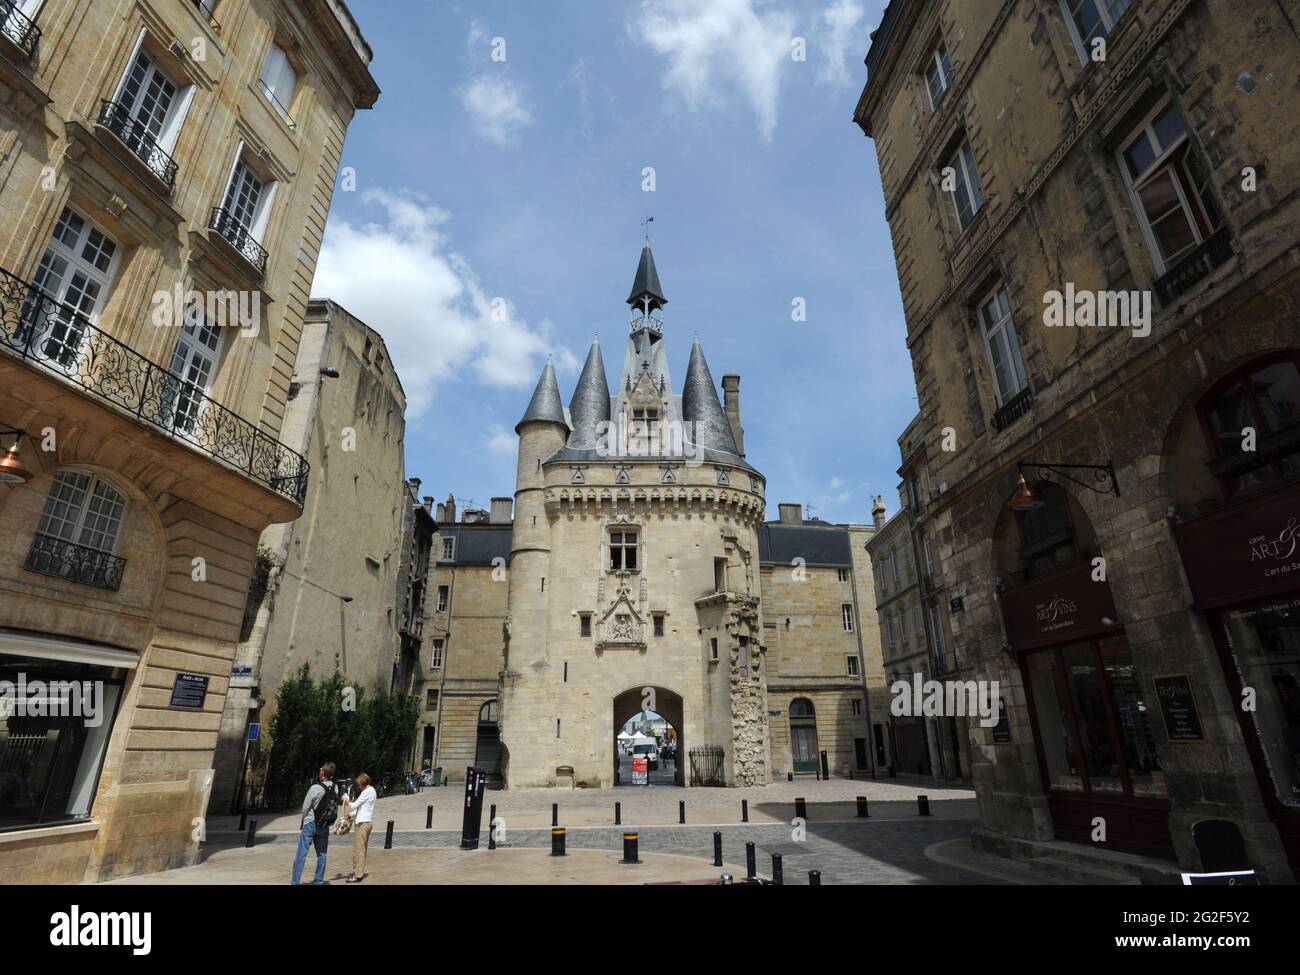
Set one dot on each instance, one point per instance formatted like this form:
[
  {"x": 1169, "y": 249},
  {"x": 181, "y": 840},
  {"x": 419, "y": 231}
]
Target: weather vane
[{"x": 645, "y": 225}]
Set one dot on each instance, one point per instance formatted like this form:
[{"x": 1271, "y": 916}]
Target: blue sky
[{"x": 517, "y": 184}]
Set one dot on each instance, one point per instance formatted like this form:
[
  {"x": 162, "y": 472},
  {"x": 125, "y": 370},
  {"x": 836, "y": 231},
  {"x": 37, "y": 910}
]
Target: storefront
[
  {"x": 1092, "y": 712},
  {"x": 1243, "y": 564}
]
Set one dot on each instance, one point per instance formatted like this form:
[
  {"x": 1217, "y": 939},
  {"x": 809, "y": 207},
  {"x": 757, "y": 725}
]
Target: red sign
[
  {"x": 640, "y": 771},
  {"x": 1249, "y": 550},
  {"x": 1057, "y": 607}
]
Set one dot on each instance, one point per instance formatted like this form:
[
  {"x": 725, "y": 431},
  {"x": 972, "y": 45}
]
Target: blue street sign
[{"x": 254, "y": 731}]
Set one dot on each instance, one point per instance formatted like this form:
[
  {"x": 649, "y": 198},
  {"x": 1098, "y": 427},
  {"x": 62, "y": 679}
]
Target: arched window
[
  {"x": 79, "y": 531},
  {"x": 801, "y": 707},
  {"x": 1046, "y": 533},
  {"x": 1263, "y": 397},
  {"x": 487, "y": 714}
]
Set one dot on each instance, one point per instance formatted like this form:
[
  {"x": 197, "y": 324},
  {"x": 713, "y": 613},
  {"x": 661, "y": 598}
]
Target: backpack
[{"x": 327, "y": 807}]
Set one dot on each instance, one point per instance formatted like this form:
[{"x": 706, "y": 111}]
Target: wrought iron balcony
[
  {"x": 18, "y": 28},
  {"x": 280, "y": 109},
  {"x": 239, "y": 237},
  {"x": 132, "y": 134},
  {"x": 77, "y": 563},
  {"x": 205, "y": 8},
  {"x": 1212, "y": 252},
  {"x": 53, "y": 337},
  {"x": 1013, "y": 409}
]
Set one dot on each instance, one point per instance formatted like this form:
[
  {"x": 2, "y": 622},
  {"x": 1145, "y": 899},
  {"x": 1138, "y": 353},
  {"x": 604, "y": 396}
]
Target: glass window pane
[
  {"x": 1053, "y": 730},
  {"x": 1090, "y": 716},
  {"x": 1277, "y": 388},
  {"x": 1169, "y": 127},
  {"x": 1135, "y": 719},
  {"x": 1087, "y": 18}
]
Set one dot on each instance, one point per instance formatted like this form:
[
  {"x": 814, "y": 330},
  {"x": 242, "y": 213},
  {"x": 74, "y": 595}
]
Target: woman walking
[{"x": 362, "y": 812}]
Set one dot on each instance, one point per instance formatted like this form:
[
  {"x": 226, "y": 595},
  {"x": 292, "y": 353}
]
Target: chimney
[
  {"x": 428, "y": 503},
  {"x": 451, "y": 509},
  {"x": 878, "y": 511},
  {"x": 501, "y": 511},
  {"x": 731, "y": 403},
  {"x": 791, "y": 514},
  {"x": 415, "y": 486},
  {"x": 440, "y": 515}
]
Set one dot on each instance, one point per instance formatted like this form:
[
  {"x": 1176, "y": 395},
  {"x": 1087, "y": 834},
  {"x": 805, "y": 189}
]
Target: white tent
[{"x": 625, "y": 736}]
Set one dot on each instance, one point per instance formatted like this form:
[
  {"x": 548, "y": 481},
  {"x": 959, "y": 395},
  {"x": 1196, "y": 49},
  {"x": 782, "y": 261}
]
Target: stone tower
[{"x": 634, "y": 578}]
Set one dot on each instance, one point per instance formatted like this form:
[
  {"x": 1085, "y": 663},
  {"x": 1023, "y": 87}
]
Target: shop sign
[
  {"x": 1178, "y": 708},
  {"x": 1065, "y": 604}
]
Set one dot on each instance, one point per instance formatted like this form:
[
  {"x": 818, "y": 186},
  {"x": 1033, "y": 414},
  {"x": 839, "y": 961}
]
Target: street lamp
[{"x": 13, "y": 470}]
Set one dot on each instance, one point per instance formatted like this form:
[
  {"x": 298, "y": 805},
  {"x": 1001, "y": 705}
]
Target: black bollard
[
  {"x": 817, "y": 773},
  {"x": 893, "y": 772},
  {"x": 428, "y": 818},
  {"x": 744, "y": 810},
  {"x": 826, "y": 769},
  {"x": 243, "y": 820},
  {"x": 681, "y": 810},
  {"x": 850, "y": 773},
  {"x": 388, "y": 836},
  {"x": 557, "y": 841},
  {"x": 789, "y": 776},
  {"x": 814, "y": 878},
  {"x": 801, "y": 808},
  {"x": 862, "y": 807},
  {"x": 618, "y": 814},
  {"x": 923, "y": 805},
  {"x": 492, "y": 830},
  {"x": 751, "y": 864},
  {"x": 629, "y": 848},
  {"x": 717, "y": 849},
  {"x": 778, "y": 875},
  {"x": 555, "y": 814},
  {"x": 252, "y": 831}
]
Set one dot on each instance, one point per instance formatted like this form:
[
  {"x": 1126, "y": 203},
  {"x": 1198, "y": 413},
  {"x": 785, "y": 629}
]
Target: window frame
[
  {"x": 282, "y": 107},
  {"x": 1004, "y": 325},
  {"x": 846, "y": 617},
  {"x": 438, "y": 646},
  {"x": 944, "y": 73},
  {"x": 1241, "y": 376},
  {"x": 962, "y": 161},
  {"x": 74, "y": 263},
  {"x": 622, "y": 547},
  {"x": 1107, "y": 20},
  {"x": 443, "y": 601},
  {"x": 448, "y": 548},
  {"x": 79, "y": 525}
]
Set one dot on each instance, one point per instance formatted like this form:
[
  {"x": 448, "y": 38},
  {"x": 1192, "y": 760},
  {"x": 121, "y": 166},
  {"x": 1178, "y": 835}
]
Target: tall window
[
  {"x": 622, "y": 550},
  {"x": 853, "y": 666},
  {"x": 83, "y": 509},
  {"x": 846, "y": 616},
  {"x": 244, "y": 196},
  {"x": 436, "y": 662},
  {"x": 967, "y": 194},
  {"x": 149, "y": 99},
  {"x": 584, "y": 624},
  {"x": 16, "y": 17},
  {"x": 448, "y": 548},
  {"x": 279, "y": 80},
  {"x": 936, "y": 629},
  {"x": 1170, "y": 186},
  {"x": 444, "y": 594},
  {"x": 938, "y": 74},
  {"x": 76, "y": 271},
  {"x": 1002, "y": 345},
  {"x": 431, "y": 699},
  {"x": 1090, "y": 19},
  {"x": 842, "y": 575},
  {"x": 1266, "y": 398},
  {"x": 198, "y": 349},
  {"x": 893, "y": 637}
]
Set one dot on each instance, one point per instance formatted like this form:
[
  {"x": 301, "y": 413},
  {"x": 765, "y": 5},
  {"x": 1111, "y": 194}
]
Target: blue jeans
[{"x": 311, "y": 836}]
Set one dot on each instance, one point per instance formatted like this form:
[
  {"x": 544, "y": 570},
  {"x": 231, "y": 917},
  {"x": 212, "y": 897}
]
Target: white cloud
[
  {"x": 497, "y": 106},
  {"x": 715, "y": 46},
  {"x": 398, "y": 275},
  {"x": 840, "y": 38},
  {"x": 500, "y": 441}
]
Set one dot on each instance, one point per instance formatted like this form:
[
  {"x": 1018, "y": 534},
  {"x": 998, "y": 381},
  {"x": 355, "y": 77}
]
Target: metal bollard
[
  {"x": 492, "y": 830},
  {"x": 801, "y": 808},
  {"x": 744, "y": 810},
  {"x": 717, "y": 849},
  {"x": 850, "y": 773},
  {"x": 557, "y": 841},
  {"x": 751, "y": 864},
  {"x": 555, "y": 814},
  {"x": 789, "y": 776},
  {"x": 252, "y": 831},
  {"x": 629, "y": 848},
  {"x": 428, "y": 818},
  {"x": 923, "y": 805},
  {"x": 778, "y": 875},
  {"x": 618, "y": 814},
  {"x": 388, "y": 836},
  {"x": 681, "y": 810},
  {"x": 862, "y": 807},
  {"x": 814, "y": 878}
]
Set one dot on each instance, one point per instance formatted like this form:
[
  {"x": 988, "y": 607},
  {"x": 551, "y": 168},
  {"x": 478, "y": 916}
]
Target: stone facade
[
  {"x": 176, "y": 447},
  {"x": 1055, "y": 145}
]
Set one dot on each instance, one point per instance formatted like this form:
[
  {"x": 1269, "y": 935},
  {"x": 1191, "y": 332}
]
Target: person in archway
[{"x": 319, "y": 810}]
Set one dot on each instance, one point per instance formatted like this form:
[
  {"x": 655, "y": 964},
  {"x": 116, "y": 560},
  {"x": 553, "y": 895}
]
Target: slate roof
[
  {"x": 646, "y": 284},
  {"x": 782, "y": 544},
  {"x": 546, "y": 403},
  {"x": 479, "y": 544}
]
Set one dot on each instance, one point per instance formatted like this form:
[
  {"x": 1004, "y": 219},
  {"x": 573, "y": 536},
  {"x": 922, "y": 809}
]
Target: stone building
[
  {"x": 1113, "y": 506},
  {"x": 168, "y": 171},
  {"x": 341, "y": 587},
  {"x": 636, "y": 567}
]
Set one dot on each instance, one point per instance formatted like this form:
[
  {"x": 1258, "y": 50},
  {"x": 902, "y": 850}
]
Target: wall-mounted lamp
[
  {"x": 329, "y": 372},
  {"x": 12, "y": 469}
]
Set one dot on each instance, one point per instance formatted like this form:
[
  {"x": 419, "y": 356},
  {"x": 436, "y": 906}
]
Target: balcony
[
  {"x": 1013, "y": 409},
  {"x": 52, "y": 556},
  {"x": 56, "y": 340},
  {"x": 234, "y": 233},
  {"x": 1213, "y": 252},
  {"x": 132, "y": 134},
  {"x": 18, "y": 29}
]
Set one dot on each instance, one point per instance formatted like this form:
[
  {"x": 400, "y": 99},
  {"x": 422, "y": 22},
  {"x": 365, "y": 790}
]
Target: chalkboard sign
[
  {"x": 1178, "y": 708},
  {"x": 189, "y": 691}
]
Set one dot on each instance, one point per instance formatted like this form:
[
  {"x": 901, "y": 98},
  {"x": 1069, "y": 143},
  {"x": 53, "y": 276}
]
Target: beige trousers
[{"x": 360, "y": 840}]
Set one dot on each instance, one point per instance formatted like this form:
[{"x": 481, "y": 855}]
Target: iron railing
[
  {"x": 280, "y": 109},
  {"x": 18, "y": 28},
  {"x": 239, "y": 237},
  {"x": 205, "y": 8},
  {"x": 1212, "y": 252},
  {"x": 135, "y": 136},
  {"x": 706, "y": 765},
  {"x": 55, "y": 338},
  {"x": 1013, "y": 409},
  {"x": 77, "y": 563}
]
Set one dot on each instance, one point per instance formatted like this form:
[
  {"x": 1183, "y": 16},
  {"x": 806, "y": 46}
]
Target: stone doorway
[{"x": 659, "y": 711}]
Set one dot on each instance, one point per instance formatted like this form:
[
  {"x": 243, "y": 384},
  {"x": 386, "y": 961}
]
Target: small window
[
  {"x": 1091, "y": 19},
  {"x": 967, "y": 193},
  {"x": 444, "y": 594},
  {"x": 853, "y": 666},
  {"x": 584, "y": 624},
  {"x": 431, "y": 699},
  {"x": 622, "y": 551},
  {"x": 857, "y": 706},
  {"x": 1002, "y": 345},
  {"x": 713, "y": 648},
  {"x": 659, "y": 624},
  {"x": 938, "y": 74},
  {"x": 846, "y": 614},
  {"x": 436, "y": 662},
  {"x": 278, "y": 81},
  {"x": 448, "y": 548},
  {"x": 842, "y": 575},
  {"x": 720, "y": 575}
]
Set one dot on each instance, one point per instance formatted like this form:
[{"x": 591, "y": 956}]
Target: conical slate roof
[
  {"x": 546, "y": 404},
  {"x": 590, "y": 404},
  {"x": 647, "y": 284},
  {"x": 701, "y": 406}
]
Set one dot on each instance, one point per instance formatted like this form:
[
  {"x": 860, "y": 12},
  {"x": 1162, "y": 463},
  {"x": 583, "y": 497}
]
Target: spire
[
  {"x": 590, "y": 404},
  {"x": 546, "y": 404},
  {"x": 701, "y": 406},
  {"x": 646, "y": 286}
]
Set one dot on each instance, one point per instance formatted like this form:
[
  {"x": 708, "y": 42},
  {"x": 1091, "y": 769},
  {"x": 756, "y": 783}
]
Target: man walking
[{"x": 319, "y": 810}]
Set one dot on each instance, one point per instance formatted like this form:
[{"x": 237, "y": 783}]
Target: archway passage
[
  {"x": 487, "y": 744},
  {"x": 649, "y": 714}
]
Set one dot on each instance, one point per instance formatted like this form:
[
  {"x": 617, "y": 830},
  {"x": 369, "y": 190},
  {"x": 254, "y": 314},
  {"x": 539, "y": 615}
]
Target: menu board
[{"x": 1178, "y": 708}]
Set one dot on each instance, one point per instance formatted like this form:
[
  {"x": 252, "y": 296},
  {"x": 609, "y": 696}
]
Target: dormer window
[{"x": 622, "y": 551}]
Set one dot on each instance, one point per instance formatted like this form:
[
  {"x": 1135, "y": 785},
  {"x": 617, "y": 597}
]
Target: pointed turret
[
  {"x": 701, "y": 406},
  {"x": 590, "y": 404},
  {"x": 546, "y": 404},
  {"x": 647, "y": 294}
]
